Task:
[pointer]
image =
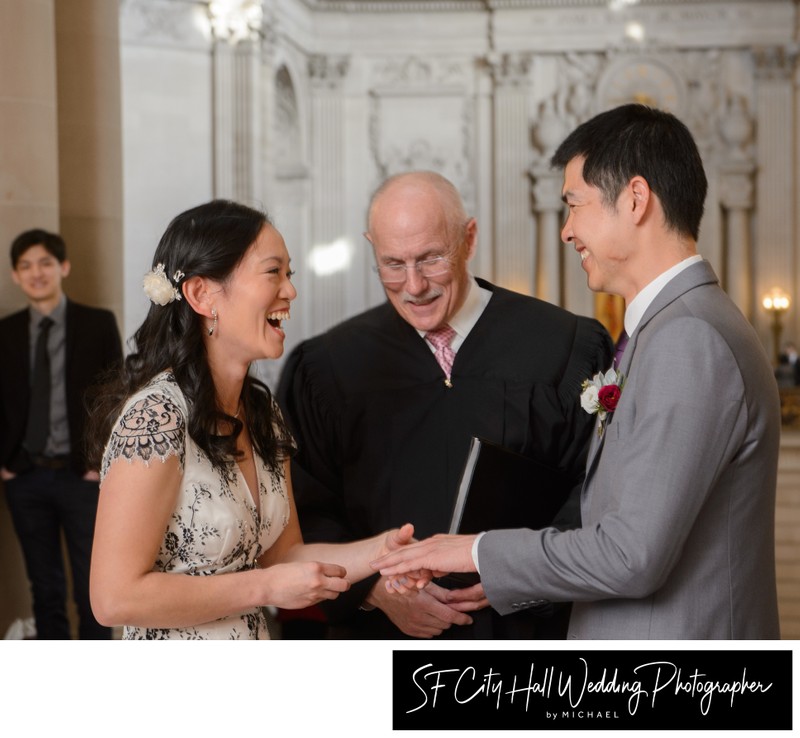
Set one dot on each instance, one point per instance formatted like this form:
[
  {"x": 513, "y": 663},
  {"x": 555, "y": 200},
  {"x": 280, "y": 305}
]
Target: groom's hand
[{"x": 439, "y": 555}]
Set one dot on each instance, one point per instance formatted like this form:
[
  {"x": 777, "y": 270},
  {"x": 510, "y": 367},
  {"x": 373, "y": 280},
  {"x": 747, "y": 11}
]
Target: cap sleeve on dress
[{"x": 151, "y": 426}]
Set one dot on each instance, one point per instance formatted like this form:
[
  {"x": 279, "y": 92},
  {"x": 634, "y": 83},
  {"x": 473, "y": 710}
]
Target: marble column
[
  {"x": 236, "y": 121},
  {"x": 776, "y": 239},
  {"x": 549, "y": 130},
  {"x": 735, "y": 180},
  {"x": 548, "y": 207},
  {"x": 330, "y": 251},
  {"x": 90, "y": 149},
  {"x": 514, "y": 260},
  {"x": 736, "y": 196}
]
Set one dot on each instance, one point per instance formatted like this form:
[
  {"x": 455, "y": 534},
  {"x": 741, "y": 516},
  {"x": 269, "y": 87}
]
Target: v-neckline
[{"x": 254, "y": 497}]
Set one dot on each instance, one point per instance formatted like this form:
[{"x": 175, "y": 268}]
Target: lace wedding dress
[{"x": 215, "y": 527}]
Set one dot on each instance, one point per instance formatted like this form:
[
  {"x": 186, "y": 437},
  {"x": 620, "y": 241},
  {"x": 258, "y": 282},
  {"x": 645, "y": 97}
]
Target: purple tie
[
  {"x": 440, "y": 339},
  {"x": 619, "y": 349}
]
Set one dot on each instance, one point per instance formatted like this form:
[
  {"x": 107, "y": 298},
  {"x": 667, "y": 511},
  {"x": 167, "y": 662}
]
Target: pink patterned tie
[{"x": 441, "y": 339}]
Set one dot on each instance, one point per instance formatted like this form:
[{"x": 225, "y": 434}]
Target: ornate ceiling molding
[
  {"x": 436, "y": 6},
  {"x": 177, "y": 23}
]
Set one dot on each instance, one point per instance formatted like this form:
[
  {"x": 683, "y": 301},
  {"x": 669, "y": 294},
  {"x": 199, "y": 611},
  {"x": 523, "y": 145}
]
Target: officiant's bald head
[{"x": 423, "y": 240}]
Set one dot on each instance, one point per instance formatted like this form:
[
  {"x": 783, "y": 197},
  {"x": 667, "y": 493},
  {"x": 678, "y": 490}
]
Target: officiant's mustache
[{"x": 429, "y": 296}]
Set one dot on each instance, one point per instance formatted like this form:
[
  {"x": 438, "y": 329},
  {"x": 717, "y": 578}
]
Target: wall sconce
[
  {"x": 776, "y": 302},
  {"x": 235, "y": 20}
]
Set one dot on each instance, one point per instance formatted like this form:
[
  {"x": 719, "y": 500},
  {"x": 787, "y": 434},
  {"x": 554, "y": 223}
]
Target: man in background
[
  {"x": 54, "y": 350},
  {"x": 788, "y": 370},
  {"x": 384, "y": 405}
]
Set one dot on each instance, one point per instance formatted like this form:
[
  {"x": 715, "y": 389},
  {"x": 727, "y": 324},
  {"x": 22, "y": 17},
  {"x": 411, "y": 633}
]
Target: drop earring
[{"x": 214, "y": 325}]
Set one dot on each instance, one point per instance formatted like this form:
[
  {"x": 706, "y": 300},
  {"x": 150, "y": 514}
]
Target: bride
[{"x": 196, "y": 526}]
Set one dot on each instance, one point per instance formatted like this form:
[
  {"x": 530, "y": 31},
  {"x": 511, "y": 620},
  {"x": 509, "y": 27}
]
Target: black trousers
[{"x": 44, "y": 503}]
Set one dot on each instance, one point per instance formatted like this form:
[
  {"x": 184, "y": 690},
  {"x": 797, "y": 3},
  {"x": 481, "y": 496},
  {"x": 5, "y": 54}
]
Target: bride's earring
[{"x": 214, "y": 326}]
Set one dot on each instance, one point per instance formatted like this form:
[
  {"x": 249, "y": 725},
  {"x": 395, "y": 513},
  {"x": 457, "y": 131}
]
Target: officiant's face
[{"x": 422, "y": 254}]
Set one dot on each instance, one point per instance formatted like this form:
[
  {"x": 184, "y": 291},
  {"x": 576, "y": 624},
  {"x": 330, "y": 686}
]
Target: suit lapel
[{"x": 694, "y": 276}]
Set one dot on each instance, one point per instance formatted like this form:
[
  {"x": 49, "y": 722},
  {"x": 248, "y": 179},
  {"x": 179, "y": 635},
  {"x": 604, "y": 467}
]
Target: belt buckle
[{"x": 54, "y": 463}]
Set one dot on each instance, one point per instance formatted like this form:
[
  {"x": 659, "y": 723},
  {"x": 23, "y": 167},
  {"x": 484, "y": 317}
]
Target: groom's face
[{"x": 596, "y": 231}]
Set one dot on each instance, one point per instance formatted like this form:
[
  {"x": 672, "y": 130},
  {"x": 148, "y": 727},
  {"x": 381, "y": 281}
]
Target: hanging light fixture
[{"x": 235, "y": 20}]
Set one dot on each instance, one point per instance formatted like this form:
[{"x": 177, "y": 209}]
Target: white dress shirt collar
[
  {"x": 636, "y": 310},
  {"x": 468, "y": 315}
]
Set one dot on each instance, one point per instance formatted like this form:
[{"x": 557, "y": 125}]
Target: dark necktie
[
  {"x": 622, "y": 342},
  {"x": 39, "y": 409}
]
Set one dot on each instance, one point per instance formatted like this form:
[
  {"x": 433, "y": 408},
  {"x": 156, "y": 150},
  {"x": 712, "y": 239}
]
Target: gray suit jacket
[{"x": 678, "y": 505}]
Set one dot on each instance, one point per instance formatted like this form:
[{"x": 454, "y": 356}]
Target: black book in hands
[{"x": 499, "y": 489}]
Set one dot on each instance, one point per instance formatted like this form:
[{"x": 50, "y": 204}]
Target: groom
[{"x": 678, "y": 505}]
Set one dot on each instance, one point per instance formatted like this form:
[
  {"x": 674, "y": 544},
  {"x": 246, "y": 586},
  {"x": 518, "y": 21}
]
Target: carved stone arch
[
  {"x": 641, "y": 78},
  {"x": 288, "y": 182},
  {"x": 288, "y": 135}
]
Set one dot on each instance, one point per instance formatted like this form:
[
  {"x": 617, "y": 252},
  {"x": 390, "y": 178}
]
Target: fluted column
[
  {"x": 28, "y": 128},
  {"x": 329, "y": 255},
  {"x": 236, "y": 119},
  {"x": 514, "y": 262},
  {"x": 549, "y": 130},
  {"x": 736, "y": 196},
  {"x": 90, "y": 149},
  {"x": 776, "y": 239},
  {"x": 548, "y": 207}
]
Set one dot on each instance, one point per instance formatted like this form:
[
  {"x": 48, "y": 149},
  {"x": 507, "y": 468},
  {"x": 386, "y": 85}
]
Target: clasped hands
[
  {"x": 427, "y": 609},
  {"x": 411, "y": 567}
]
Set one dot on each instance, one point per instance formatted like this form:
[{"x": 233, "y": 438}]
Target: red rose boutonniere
[{"x": 600, "y": 395}]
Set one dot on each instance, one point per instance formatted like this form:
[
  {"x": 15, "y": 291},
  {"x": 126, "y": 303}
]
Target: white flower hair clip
[{"x": 158, "y": 288}]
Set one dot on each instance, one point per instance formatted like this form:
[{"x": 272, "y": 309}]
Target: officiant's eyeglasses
[{"x": 396, "y": 273}]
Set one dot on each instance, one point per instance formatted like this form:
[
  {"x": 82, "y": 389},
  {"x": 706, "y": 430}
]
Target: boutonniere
[{"x": 600, "y": 395}]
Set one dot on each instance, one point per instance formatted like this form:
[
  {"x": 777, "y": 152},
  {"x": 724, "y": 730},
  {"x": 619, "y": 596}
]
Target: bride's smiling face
[{"x": 253, "y": 304}]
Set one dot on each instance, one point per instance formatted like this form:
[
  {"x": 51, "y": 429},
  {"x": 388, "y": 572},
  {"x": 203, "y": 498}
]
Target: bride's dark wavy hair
[{"x": 210, "y": 241}]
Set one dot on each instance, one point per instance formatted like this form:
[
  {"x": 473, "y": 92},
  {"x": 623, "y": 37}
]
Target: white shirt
[
  {"x": 469, "y": 313},
  {"x": 638, "y": 307}
]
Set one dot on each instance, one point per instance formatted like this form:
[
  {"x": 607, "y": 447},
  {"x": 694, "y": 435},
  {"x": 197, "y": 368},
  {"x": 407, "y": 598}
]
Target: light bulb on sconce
[{"x": 776, "y": 302}]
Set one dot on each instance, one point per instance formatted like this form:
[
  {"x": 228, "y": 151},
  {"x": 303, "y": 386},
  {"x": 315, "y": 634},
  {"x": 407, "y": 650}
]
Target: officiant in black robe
[{"x": 383, "y": 420}]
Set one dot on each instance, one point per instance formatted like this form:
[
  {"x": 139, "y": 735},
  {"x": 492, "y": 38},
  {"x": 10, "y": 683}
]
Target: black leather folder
[{"x": 500, "y": 488}]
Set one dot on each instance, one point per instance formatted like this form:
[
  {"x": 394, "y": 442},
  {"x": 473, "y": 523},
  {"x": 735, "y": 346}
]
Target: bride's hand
[
  {"x": 396, "y": 538},
  {"x": 296, "y": 585}
]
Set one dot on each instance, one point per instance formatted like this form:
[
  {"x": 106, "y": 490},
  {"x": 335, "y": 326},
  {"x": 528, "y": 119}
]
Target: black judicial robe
[{"x": 382, "y": 441}]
